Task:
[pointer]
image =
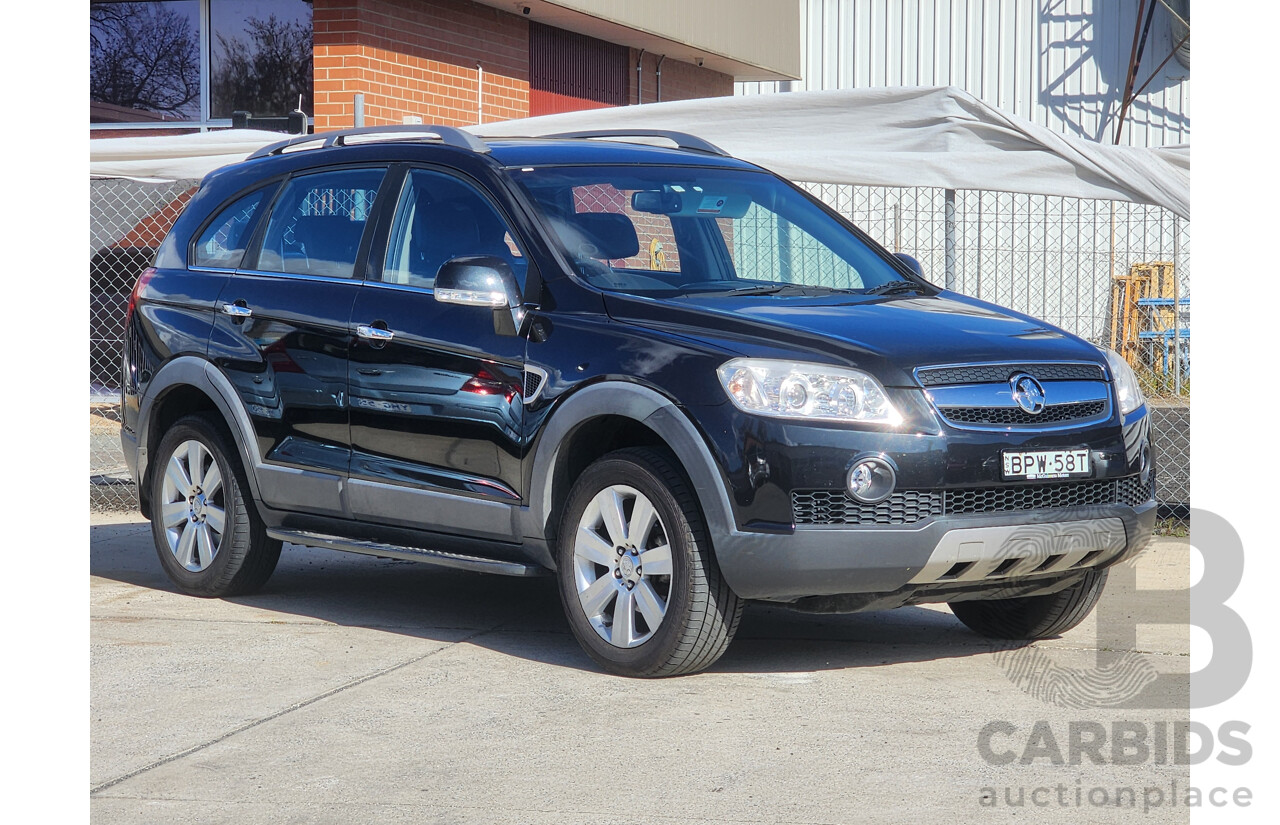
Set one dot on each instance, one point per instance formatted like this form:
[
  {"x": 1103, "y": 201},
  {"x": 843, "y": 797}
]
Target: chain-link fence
[
  {"x": 127, "y": 222},
  {"x": 1117, "y": 274}
]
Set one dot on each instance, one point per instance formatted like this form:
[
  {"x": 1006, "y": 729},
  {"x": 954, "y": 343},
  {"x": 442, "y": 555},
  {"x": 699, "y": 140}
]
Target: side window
[
  {"x": 317, "y": 222},
  {"x": 441, "y": 217},
  {"x": 222, "y": 242}
]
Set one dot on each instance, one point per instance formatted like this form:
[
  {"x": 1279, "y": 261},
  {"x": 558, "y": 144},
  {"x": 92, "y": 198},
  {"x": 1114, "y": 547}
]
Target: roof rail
[
  {"x": 447, "y": 135},
  {"x": 682, "y": 140}
]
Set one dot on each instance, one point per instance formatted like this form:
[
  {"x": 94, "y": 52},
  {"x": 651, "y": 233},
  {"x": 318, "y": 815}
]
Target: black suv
[{"x": 663, "y": 375}]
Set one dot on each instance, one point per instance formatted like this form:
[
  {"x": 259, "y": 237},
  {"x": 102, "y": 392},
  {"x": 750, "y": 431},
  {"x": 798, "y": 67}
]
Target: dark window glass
[
  {"x": 317, "y": 223},
  {"x": 223, "y": 241},
  {"x": 144, "y": 61},
  {"x": 261, "y": 56},
  {"x": 439, "y": 218}
]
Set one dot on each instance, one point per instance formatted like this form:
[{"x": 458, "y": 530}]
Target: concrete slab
[{"x": 354, "y": 689}]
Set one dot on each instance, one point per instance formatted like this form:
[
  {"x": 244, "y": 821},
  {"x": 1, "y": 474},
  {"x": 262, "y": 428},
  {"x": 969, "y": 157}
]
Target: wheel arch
[
  {"x": 608, "y": 416},
  {"x": 186, "y": 385}
]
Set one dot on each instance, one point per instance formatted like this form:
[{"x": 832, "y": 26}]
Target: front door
[{"x": 436, "y": 406}]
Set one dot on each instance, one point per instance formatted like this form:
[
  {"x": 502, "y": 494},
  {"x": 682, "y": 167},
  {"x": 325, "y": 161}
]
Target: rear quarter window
[{"x": 222, "y": 243}]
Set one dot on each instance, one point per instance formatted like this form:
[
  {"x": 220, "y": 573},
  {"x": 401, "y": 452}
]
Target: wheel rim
[
  {"x": 622, "y": 566},
  {"x": 192, "y": 508}
]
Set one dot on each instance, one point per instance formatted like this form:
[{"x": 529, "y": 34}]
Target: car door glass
[
  {"x": 317, "y": 223},
  {"x": 440, "y": 217},
  {"x": 222, "y": 244}
]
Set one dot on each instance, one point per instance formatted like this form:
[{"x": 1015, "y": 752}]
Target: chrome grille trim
[{"x": 836, "y": 507}]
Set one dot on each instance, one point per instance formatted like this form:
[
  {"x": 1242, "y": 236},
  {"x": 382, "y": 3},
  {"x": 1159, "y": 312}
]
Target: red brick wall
[
  {"x": 680, "y": 81},
  {"x": 418, "y": 57}
]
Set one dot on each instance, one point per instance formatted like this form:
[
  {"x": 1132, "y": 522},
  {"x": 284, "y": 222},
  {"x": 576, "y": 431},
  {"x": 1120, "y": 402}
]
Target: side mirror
[
  {"x": 910, "y": 262},
  {"x": 477, "y": 281}
]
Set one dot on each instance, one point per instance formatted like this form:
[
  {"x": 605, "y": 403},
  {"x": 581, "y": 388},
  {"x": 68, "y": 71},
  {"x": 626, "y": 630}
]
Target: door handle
[
  {"x": 237, "y": 310},
  {"x": 371, "y": 333}
]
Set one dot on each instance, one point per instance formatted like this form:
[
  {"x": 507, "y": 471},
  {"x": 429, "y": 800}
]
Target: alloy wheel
[
  {"x": 192, "y": 509},
  {"x": 622, "y": 566}
]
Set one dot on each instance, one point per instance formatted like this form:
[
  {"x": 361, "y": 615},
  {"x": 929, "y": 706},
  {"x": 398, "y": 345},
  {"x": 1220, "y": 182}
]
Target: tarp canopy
[
  {"x": 905, "y": 136},
  {"x": 154, "y": 159}
]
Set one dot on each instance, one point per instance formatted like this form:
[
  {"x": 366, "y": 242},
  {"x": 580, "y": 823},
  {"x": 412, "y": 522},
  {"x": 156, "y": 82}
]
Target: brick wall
[
  {"x": 418, "y": 57},
  {"x": 680, "y": 80}
]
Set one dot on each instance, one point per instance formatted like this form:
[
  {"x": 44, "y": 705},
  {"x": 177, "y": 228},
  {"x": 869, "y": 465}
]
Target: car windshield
[{"x": 666, "y": 231}]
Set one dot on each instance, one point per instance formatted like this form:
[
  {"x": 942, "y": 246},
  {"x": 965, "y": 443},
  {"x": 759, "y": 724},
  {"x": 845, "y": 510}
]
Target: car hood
[{"x": 889, "y": 336}]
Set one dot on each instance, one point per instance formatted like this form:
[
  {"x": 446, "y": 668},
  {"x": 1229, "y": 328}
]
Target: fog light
[{"x": 871, "y": 480}]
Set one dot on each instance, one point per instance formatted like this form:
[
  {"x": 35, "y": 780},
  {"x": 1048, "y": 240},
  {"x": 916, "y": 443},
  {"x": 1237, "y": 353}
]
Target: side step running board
[{"x": 394, "y": 551}]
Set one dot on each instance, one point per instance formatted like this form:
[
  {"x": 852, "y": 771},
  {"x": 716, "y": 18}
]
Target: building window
[{"x": 191, "y": 63}]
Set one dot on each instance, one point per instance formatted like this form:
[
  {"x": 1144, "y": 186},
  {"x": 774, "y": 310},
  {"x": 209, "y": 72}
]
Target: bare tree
[
  {"x": 143, "y": 56},
  {"x": 265, "y": 73}
]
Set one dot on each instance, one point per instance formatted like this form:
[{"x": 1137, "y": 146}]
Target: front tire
[
  {"x": 1033, "y": 617},
  {"x": 208, "y": 536},
  {"x": 638, "y": 579}
]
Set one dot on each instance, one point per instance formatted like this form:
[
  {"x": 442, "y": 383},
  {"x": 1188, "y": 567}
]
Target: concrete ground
[{"x": 354, "y": 689}]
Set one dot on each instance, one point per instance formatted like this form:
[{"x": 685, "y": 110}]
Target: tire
[
  {"x": 198, "y": 557},
  {"x": 1033, "y": 617},
  {"x": 681, "y": 615}
]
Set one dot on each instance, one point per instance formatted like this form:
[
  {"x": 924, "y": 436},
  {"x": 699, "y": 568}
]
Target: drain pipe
[
  {"x": 479, "y": 93},
  {"x": 639, "y": 77},
  {"x": 658, "y": 77}
]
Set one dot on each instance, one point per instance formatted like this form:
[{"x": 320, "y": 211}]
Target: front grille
[
  {"x": 1029, "y": 497},
  {"x": 1001, "y": 416},
  {"x": 836, "y": 507},
  {"x": 1000, "y": 373},
  {"x": 1133, "y": 491}
]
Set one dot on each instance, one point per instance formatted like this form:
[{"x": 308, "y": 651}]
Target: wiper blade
[
  {"x": 802, "y": 289},
  {"x": 759, "y": 289},
  {"x": 896, "y": 286}
]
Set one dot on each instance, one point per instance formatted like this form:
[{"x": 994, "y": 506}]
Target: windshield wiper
[
  {"x": 896, "y": 286},
  {"x": 773, "y": 289}
]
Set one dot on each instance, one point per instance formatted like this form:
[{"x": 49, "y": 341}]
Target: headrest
[{"x": 611, "y": 233}]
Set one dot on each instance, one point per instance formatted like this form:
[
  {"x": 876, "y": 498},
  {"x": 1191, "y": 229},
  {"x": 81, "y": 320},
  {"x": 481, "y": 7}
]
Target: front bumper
[{"x": 966, "y": 552}]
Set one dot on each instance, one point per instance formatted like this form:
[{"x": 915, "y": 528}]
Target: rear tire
[
  {"x": 638, "y": 579},
  {"x": 1033, "y": 617},
  {"x": 207, "y": 533}
]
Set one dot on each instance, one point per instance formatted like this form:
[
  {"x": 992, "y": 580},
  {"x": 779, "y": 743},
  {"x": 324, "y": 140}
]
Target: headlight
[
  {"x": 814, "y": 392},
  {"x": 1128, "y": 393}
]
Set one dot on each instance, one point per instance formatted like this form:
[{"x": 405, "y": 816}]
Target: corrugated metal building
[{"x": 1059, "y": 63}]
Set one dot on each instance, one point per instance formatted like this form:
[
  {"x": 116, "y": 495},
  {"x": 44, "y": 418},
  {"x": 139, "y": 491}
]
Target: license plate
[{"x": 1038, "y": 464}]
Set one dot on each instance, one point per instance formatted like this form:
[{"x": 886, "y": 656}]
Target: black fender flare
[
  {"x": 645, "y": 406},
  {"x": 193, "y": 371}
]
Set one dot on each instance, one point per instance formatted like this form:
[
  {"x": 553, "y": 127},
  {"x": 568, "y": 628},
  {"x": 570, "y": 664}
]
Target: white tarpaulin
[
  {"x": 906, "y": 136},
  {"x": 937, "y": 136},
  {"x": 181, "y": 157}
]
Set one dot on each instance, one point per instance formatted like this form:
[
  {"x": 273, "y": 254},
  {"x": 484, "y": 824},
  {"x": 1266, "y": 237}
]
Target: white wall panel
[{"x": 1060, "y": 63}]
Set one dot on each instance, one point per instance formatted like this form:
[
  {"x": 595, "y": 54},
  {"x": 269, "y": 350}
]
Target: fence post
[
  {"x": 949, "y": 237},
  {"x": 1177, "y": 307}
]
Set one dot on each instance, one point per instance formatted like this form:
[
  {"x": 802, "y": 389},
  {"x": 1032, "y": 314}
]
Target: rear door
[
  {"x": 282, "y": 333},
  {"x": 436, "y": 407}
]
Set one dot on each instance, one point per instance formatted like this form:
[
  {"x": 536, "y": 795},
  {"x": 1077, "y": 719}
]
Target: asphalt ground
[{"x": 353, "y": 689}]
